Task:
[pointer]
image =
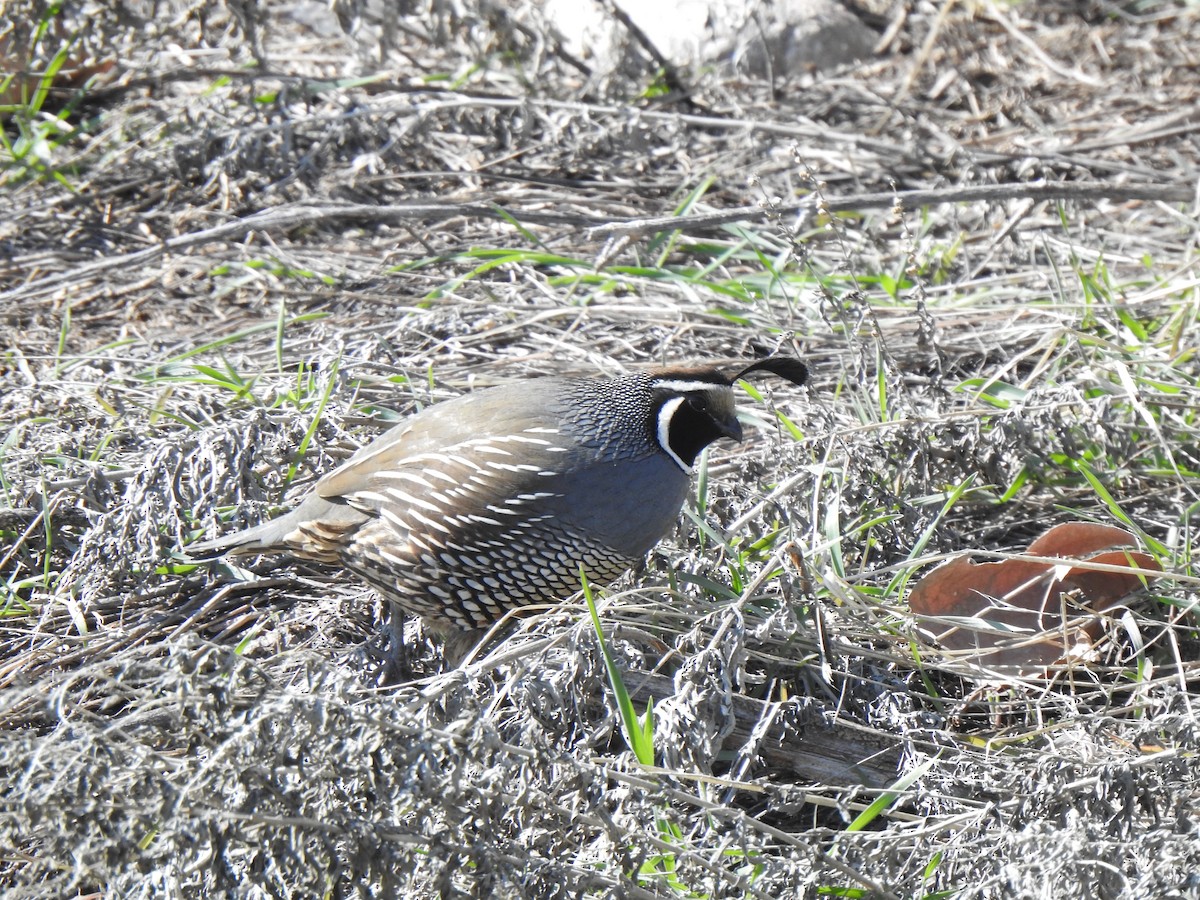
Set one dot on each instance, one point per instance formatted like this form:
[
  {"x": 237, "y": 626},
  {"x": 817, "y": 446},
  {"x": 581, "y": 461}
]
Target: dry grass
[{"x": 985, "y": 246}]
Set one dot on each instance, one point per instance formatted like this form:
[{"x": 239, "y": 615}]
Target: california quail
[{"x": 495, "y": 499}]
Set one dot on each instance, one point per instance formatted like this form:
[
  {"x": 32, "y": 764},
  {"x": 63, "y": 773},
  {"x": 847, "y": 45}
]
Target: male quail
[{"x": 496, "y": 499}]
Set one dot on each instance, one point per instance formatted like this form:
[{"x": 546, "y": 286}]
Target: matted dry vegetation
[{"x": 229, "y": 274}]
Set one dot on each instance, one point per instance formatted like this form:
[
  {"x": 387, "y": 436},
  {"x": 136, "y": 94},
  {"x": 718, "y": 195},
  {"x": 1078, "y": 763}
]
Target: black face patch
[{"x": 691, "y": 415}]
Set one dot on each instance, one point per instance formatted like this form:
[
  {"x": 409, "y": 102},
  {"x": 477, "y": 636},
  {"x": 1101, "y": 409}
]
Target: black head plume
[{"x": 787, "y": 367}]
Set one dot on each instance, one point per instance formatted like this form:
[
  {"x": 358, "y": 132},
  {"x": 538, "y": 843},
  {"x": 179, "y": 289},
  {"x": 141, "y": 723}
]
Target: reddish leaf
[
  {"x": 1022, "y": 616},
  {"x": 1077, "y": 539}
]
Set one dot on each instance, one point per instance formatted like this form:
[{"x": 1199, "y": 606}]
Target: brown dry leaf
[
  {"x": 20, "y": 80},
  {"x": 1022, "y": 616}
]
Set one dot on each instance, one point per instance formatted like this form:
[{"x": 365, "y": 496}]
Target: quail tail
[
  {"x": 315, "y": 514},
  {"x": 259, "y": 539}
]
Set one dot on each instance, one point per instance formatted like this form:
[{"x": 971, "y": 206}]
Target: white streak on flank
[
  {"x": 510, "y": 467},
  {"x": 684, "y": 386},
  {"x": 483, "y": 520},
  {"x": 395, "y": 519},
  {"x": 664, "y": 432},
  {"x": 431, "y": 464},
  {"x": 387, "y": 554},
  {"x": 428, "y": 522},
  {"x": 522, "y": 439},
  {"x": 492, "y": 448},
  {"x": 540, "y": 430},
  {"x": 402, "y": 475},
  {"x": 405, "y": 498}
]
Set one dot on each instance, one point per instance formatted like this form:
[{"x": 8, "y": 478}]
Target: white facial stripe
[
  {"x": 664, "y": 431},
  {"x": 684, "y": 386}
]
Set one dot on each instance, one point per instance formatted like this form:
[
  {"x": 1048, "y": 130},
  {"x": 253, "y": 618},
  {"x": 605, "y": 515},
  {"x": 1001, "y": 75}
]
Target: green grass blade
[
  {"x": 889, "y": 797},
  {"x": 639, "y": 737},
  {"x": 316, "y": 421}
]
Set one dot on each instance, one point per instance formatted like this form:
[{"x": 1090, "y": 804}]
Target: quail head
[{"x": 496, "y": 499}]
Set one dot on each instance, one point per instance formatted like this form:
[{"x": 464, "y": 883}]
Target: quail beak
[{"x": 731, "y": 428}]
